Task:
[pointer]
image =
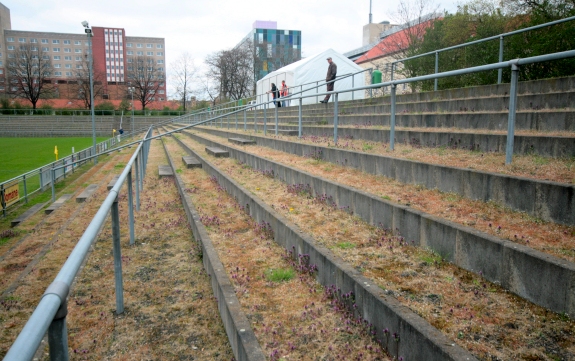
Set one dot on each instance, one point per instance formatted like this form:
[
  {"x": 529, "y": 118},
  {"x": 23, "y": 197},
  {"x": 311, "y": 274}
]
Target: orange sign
[{"x": 11, "y": 194}]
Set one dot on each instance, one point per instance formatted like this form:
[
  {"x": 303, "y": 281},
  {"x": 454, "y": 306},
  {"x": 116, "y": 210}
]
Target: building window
[
  {"x": 160, "y": 69},
  {"x": 138, "y": 45},
  {"x": 130, "y": 52},
  {"x": 55, "y": 41},
  {"x": 130, "y": 60},
  {"x": 159, "y": 46},
  {"x": 22, "y": 40},
  {"x": 44, "y": 41},
  {"x": 149, "y": 46},
  {"x": 33, "y": 41},
  {"x": 10, "y": 40},
  {"x": 45, "y": 48},
  {"x": 56, "y": 57},
  {"x": 160, "y": 62},
  {"x": 67, "y": 42},
  {"x": 160, "y": 53},
  {"x": 57, "y": 73},
  {"x": 150, "y": 53},
  {"x": 56, "y": 50},
  {"x": 11, "y": 56},
  {"x": 68, "y": 73},
  {"x": 10, "y": 47},
  {"x": 68, "y": 66},
  {"x": 45, "y": 57},
  {"x": 68, "y": 57},
  {"x": 140, "y": 53},
  {"x": 78, "y": 58},
  {"x": 129, "y": 45},
  {"x": 67, "y": 50},
  {"x": 57, "y": 66},
  {"x": 161, "y": 91},
  {"x": 78, "y": 66},
  {"x": 77, "y": 50},
  {"x": 77, "y": 42}
]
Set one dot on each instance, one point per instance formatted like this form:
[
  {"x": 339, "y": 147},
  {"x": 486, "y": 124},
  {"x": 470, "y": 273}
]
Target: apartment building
[{"x": 113, "y": 53}]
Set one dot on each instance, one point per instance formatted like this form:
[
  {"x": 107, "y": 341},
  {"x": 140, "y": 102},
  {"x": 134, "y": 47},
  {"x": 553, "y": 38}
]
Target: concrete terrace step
[
  {"x": 29, "y": 213},
  {"x": 165, "y": 171},
  {"x": 241, "y": 141},
  {"x": 87, "y": 193},
  {"x": 289, "y": 132},
  {"x": 419, "y": 340},
  {"x": 191, "y": 162},
  {"x": 217, "y": 152},
  {"x": 113, "y": 182},
  {"x": 54, "y": 206},
  {"x": 549, "y": 201},
  {"x": 501, "y": 261}
]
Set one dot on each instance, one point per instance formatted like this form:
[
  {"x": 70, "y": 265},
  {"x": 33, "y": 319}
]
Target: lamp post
[
  {"x": 89, "y": 34},
  {"x": 131, "y": 90}
]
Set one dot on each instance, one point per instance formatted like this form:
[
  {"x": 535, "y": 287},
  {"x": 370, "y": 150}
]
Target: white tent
[{"x": 306, "y": 73}]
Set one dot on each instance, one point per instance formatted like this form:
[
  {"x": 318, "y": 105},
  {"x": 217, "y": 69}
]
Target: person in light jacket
[
  {"x": 284, "y": 93},
  {"x": 330, "y": 78}
]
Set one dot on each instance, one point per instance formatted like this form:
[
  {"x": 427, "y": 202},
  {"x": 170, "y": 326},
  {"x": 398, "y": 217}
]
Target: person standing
[
  {"x": 284, "y": 92},
  {"x": 330, "y": 78},
  {"x": 275, "y": 94}
]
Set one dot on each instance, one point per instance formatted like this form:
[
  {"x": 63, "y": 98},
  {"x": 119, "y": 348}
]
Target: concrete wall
[
  {"x": 238, "y": 328},
  {"x": 550, "y": 201},
  {"x": 419, "y": 340},
  {"x": 509, "y": 264}
]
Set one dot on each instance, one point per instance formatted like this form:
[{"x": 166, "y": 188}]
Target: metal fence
[
  {"x": 50, "y": 314},
  {"x": 512, "y": 64},
  {"x": 41, "y": 178}
]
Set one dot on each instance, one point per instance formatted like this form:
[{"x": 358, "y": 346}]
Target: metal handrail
[
  {"x": 50, "y": 313},
  {"x": 500, "y": 37}
]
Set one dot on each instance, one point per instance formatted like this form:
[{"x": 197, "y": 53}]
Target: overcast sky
[{"x": 204, "y": 27}]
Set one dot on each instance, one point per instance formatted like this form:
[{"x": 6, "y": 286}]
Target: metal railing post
[
  {"x": 512, "y": 109},
  {"x": 299, "y": 121},
  {"x": 500, "y": 70},
  {"x": 131, "y": 209},
  {"x": 117, "y": 258},
  {"x": 335, "y": 118},
  {"x": 436, "y": 70},
  {"x": 392, "y": 68},
  {"x": 41, "y": 180},
  {"x": 316, "y": 90},
  {"x": 57, "y": 331},
  {"x": 392, "y": 119},
  {"x": 265, "y": 118},
  {"x": 246, "y": 119},
  {"x": 53, "y": 184},
  {"x": 353, "y": 86},
  {"x": 255, "y": 121},
  {"x": 236, "y": 121},
  {"x": 276, "y": 119},
  {"x": 137, "y": 183},
  {"x": 2, "y": 200},
  {"x": 25, "y": 189}
]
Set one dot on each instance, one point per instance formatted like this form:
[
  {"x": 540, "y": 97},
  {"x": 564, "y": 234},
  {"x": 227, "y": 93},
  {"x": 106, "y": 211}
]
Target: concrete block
[
  {"x": 241, "y": 141},
  {"x": 113, "y": 182},
  {"x": 29, "y": 213},
  {"x": 87, "y": 193},
  {"x": 191, "y": 162},
  {"x": 217, "y": 152},
  {"x": 165, "y": 171},
  {"x": 59, "y": 202}
]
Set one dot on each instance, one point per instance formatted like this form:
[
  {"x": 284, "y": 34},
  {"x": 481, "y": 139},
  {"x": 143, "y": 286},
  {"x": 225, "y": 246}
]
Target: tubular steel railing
[
  {"x": 500, "y": 37},
  {"x": 50, "y": 314},
  {"x": 513, "y": 64}
]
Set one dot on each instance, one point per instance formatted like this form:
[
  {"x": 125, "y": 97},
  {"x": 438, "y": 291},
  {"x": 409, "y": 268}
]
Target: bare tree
[
  {"x": 233, "y": 70},
  {"x": 28, "y": 72},
  {"x": 82, "y": 86},
  {"x": 184, "y": 73},
  {"x": 145, "y": 77}
]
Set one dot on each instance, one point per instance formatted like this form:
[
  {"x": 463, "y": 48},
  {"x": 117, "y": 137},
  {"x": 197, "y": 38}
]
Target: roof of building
[{"x": 392, "y": 43}]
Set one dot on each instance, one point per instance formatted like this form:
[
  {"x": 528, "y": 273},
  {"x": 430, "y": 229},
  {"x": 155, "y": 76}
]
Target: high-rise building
[
  {"x": 273, "y": 48},
  {"x": 113, "y": 53}
]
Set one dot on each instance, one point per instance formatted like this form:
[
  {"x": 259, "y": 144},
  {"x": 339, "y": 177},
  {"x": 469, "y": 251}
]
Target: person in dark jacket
[
  {"x": 275, "y": 94},
  {"x": 330, "y": 78}
]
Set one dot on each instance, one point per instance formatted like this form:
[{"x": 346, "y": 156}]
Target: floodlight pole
[
  {"x": 89, "y": 33},
  {"x": 131, "y": 90}
]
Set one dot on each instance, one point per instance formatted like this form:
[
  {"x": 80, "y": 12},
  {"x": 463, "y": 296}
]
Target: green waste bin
[
  {"x": 376, "y": 77},
  {"x": 241, "y": 102}
]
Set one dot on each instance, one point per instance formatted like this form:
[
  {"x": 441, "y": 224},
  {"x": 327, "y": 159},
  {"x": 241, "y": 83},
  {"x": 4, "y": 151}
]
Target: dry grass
[
  {"x": 293, "y": 319},
  {"x": 478, "y": 315},
  {"x": 488, "y": 217}
]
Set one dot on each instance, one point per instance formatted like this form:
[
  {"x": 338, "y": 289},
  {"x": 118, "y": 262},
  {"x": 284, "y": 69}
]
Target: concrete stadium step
[
  {"x": 551, "y": 201},
  {"x": 113, "y": 182},
  {"x": 165, "y": 171},
  {"x": 499, "y": 260},
  {"x": 376, "y": 308},
  {"x": 29, "y": 213},
  {"x": 59, "y": 202},
  {"x": 217, "y": 152},
  {"x": 241, "y": 141},
  {"x": 191, "y": 162},
  {"x": 87, "y": 193}
]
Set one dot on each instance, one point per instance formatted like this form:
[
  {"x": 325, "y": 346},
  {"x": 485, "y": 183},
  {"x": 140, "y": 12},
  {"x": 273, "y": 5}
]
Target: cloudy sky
[{"x": 202, "y": 27}]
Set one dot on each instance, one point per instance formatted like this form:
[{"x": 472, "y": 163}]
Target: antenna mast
[{"x": 370, "y": 12}]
